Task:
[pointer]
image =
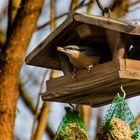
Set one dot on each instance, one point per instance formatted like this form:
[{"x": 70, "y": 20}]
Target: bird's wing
[{"x": 90, "y": 50}]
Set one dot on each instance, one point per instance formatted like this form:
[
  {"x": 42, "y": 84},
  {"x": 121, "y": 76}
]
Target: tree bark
[{"x": 11, "y": 61}]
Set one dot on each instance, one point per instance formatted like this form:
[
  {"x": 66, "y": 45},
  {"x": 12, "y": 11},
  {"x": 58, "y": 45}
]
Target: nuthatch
[{"x": 81, "y": 56}]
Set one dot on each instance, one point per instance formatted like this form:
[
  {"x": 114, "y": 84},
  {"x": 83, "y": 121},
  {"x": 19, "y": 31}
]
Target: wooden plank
[
  {"x": 65, "y": 85},
  {"x": 83, "y": 75},
  {"x": 129, "y": 75},
  {"x": 122, "y": 64},
  {"x": 92, "y": 91},
  {"x": 132, "y": 65},
  {"x": 103, "y": 96},
  {"x": 81, "y": 87},
  {"x": 85, "y": 30},
  {"x": 108, "y": 23}
]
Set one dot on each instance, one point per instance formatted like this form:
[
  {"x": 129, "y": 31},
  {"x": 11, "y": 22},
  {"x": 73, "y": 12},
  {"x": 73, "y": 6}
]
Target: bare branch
[
  {"x": 134, "y": 3},
  {"x": 42, "y": 121},
  {"x": 82, "y": 4},
  {"x": 46, "y": 106},
  {"x": 89, "y": 8},
  {"x": 48, "y": 22},
  {"x": 52, "y": 14},
  {"x": 73, "y": 5},
  {"x": 37, "y": 106},
  {"x": 12, "y": 11},
  {"x": 29, "y": 103}
]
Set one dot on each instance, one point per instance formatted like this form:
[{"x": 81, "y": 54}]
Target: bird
[{"x": 81, "y": 56}]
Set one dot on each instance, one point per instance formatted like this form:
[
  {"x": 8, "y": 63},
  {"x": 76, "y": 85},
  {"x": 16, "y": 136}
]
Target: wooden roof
[{"x": 45, "y": 54}]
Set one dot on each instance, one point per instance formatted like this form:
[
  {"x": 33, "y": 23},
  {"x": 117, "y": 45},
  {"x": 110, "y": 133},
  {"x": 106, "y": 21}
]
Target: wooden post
[
  {"x": 112, "y": 37},
  {"x": 121, "y": 42},
  {"x": 119, "y": 49}
]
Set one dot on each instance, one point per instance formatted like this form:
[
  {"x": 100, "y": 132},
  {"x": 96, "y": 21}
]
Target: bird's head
[{"x": 69, "y": 50}]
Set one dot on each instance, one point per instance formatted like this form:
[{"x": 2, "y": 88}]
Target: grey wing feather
[{"x": 90, "y": 50}]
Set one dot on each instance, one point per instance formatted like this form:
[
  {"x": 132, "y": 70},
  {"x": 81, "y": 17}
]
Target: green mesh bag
[
  {"x": 71, "y": 127},
  {"x": 119, "y": 123}
]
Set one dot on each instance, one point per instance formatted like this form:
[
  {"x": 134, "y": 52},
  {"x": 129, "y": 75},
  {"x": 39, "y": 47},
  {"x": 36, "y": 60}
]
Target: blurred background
[{"x": 30, "y": 108}]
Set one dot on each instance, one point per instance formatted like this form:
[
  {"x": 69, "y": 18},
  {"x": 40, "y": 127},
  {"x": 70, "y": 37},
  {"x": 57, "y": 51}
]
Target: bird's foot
[{"x": 89, "y": 68}]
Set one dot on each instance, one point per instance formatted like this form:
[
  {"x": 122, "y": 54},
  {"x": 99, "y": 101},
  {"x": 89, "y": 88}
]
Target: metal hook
[
  {"x": 124, "y": 93},
  {"x": 106, "y": 11}
]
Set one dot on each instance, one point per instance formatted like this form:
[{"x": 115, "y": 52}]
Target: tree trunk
[{"x": 11, "y": 61}]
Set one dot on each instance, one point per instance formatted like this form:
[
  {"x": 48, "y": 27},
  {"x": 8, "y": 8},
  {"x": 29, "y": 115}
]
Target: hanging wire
[{"x": 105, "y": 10}]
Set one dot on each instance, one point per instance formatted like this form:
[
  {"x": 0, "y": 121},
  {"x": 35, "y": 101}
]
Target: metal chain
[{"x": 105, "y": 10}]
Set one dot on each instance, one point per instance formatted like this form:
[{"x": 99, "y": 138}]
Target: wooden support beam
[
  {"x": 112, "y": 37},
  {"x": 119, "y": 48},
  {"x": 120, "y": 45}
]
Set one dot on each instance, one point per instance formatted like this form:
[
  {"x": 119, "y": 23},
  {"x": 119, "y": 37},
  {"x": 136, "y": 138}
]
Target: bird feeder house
[{"x": 120, "y": 63}]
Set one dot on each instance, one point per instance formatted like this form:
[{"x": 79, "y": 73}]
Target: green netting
[
  {"x": 120, "y": 110},
  {"x": 71, "y": 127}
]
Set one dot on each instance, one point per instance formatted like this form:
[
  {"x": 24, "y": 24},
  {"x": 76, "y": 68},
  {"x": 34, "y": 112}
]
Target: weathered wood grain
[
  {"x": 108, "y": 23},
  {"x": 83, "y": 75},
  {"x": 97, "y": 87}
]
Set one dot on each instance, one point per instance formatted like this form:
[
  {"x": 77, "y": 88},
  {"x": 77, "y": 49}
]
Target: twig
[
  {"x": 82, "y": 4},
  {"x": 12, "y": 11},
  {"x": 3, "y": 13},
  {"x": 52, "y": 15},
  {"x": 37, "y": 105},
  {"x": 98, "y": 124},
  {"x": 138, "y": 119},
  {"x": 134, "y": 3},
  {"x": 73, "y": 5},
  {"x": 29, "y": 103},
  {"x": 134, "y": 9},
  {"x": 46, "y": 106},
  {"x": 89, "y": 8},
  {"x": 48, "y": 22},
  {"x": 26, "y": 97},
  {"x": 86, "y": 114},
  {"x": 42, "y": 121}
]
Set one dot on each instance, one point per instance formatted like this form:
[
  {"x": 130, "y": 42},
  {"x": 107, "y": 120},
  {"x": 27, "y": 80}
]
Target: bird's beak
[{"x": 61, "y": 49}]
